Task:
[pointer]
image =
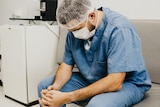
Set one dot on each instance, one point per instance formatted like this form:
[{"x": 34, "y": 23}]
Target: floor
[{"x": 5, "y": 102}]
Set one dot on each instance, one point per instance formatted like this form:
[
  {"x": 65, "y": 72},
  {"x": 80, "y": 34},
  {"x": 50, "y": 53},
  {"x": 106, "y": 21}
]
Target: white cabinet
[
  {"x": 0, "y": 61},
  {"x": 28, "y": 56},
  {"x": 0, "y": 73}
]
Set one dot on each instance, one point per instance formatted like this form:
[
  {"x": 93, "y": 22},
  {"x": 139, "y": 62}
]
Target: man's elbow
[
  {"x": 116, "y": 81},
  {"x": 119, "y": 87},
  {"x": 116, "y": 87}
]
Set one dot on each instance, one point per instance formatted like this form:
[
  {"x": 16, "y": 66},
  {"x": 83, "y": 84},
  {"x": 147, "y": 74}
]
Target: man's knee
[
  {"x": 44, "y": 84},
  {"x": 97, "y": 101},
  {"x": 41, "y": 86}
]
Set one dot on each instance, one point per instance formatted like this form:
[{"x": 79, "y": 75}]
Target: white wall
[
  {"x": 27, "y": 8},
  {"x": 133, "y": 9}
]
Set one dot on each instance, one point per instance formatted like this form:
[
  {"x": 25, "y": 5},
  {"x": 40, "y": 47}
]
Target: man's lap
[{"x": 127, "y": 96}]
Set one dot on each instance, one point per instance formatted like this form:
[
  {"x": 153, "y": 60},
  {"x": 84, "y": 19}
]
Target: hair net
[{"x": 71, "y": 13}]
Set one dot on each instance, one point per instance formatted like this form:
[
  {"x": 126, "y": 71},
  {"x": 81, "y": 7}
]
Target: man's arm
[
  {"x": 63, "y": 74},
  {"x": 110, "y": 83}
]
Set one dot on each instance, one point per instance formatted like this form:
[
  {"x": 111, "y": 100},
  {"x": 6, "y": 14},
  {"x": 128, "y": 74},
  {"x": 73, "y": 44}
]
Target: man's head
[{"x": 74, "y": 14}]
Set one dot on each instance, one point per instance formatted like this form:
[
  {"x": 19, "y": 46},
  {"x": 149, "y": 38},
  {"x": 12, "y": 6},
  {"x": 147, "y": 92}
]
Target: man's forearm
[
  {"x": 112, "y": 82},
  {"x": 63, "y": 74}
]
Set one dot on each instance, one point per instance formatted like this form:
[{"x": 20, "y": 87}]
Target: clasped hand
[{"x": 53, "y": 98}]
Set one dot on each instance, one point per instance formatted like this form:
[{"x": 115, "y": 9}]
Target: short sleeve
[
  {"x": 124, "y": 54},
  {"x": 68, "y": 57}
]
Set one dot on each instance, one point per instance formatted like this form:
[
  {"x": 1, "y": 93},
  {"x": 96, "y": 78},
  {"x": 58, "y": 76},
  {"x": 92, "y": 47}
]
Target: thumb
[
  {"x": 44, "y": 91},
  {"x": 50, "y": 88}
]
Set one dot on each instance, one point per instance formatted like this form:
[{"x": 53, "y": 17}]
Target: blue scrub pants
[{"x": 126, "y": 97}]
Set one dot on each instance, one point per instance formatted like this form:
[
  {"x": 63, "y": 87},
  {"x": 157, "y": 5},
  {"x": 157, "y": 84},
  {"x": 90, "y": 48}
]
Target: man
[{"x": 106, "y": 48}]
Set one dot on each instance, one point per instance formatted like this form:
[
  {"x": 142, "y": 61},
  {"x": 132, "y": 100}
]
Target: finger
[
  {"x": 45, "y": 97},
  {"x": 49, "y": 96},
  {"x": 46, "y": 106},
  {"x": 50, "y": 88},
  {"x": 43, "y": 94},
  {"x": 43, "y": 91},
  {"x": 40, "y": 101},
  {"x": 42, "y": 104},
  {"x": 45, "y": 102},
  {"x": 52, "y": 92},
  {"x": 48, "y": 92}
]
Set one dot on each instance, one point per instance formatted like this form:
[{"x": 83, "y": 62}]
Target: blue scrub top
[{"x": 115, "y": 47}]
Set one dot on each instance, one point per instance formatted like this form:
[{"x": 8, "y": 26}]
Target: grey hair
[{"x": 73, "y": 9}]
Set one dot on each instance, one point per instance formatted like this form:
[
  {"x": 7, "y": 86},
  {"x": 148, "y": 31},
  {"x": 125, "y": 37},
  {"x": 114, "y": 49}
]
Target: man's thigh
[
  {"x": 126, "y": 97},
  {"x": 76, "y": 82}
]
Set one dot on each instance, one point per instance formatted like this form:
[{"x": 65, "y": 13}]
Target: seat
[{"x": 149, "y": 32}]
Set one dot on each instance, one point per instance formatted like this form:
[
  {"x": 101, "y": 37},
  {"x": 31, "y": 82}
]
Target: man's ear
[{"x": 92, "y": 17}]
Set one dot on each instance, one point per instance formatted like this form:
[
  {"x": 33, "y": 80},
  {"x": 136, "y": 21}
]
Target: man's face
[
  {"x": 87, "y": 23},
  {"x": 80, "y": 26},
  {"x": 90, "y": 22}
]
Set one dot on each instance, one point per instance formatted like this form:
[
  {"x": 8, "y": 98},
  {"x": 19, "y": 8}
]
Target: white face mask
[{"x": 84, "y": 33}]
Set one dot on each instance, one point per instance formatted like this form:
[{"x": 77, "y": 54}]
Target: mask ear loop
[
  {"x": 88, "y": 44},
  {"x": 96, "y": 26},
  {"x": 97, "y": 20}
]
